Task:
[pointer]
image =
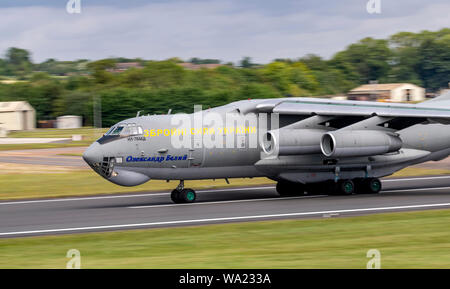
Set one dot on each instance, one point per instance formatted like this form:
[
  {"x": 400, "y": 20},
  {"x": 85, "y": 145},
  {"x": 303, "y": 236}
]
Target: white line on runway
[
  {"x": 179, "y": 222},
  {"x": 124, "y": 196},
  {"x": 226, "y": 202},
  {"x": 416, "y": 179},
  {"x": 165, "y": 194},
  {"x": 414, "y": 190}
]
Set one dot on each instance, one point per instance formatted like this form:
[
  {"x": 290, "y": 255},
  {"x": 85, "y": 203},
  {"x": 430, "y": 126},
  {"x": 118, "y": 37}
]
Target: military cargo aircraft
[{"x": 305, "y": 144}]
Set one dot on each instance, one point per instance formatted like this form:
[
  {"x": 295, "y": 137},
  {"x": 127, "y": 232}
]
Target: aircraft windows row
[{"x": 127, "y": 129}]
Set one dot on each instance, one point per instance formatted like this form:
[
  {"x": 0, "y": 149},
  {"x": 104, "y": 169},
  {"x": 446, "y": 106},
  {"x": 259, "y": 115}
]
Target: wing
[
  {"x": 329, "y": 135},
  {"x": 311, "y": 106},
  {"x": 369, "y": 115}
]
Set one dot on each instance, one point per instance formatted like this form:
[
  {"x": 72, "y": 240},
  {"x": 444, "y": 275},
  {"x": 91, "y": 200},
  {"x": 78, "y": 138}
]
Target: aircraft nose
[{"x": 93, "y": 154}]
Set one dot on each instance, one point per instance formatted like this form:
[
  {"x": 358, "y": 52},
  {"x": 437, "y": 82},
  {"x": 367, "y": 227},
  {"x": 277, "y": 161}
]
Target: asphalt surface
[{"x": 149, "y": 210}]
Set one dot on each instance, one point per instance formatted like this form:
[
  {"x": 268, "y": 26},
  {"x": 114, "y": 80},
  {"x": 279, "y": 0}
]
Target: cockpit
[
  {"x": 125, "y": 129},
  {"x": 121, "y": 130}
]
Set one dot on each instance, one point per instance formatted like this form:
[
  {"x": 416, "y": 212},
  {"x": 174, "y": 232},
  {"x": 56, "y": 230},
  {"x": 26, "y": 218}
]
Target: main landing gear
[
  {"x": 290, "y": 189},
  {"x": 182, "y": 195},
  {"x": 342, "y": 187}
]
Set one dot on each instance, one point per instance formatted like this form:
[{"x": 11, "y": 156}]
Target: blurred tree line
[{"x": 57, "y": 88}]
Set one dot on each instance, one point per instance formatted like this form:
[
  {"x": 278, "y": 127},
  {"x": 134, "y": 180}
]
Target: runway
[{"x": 151, "y": 210}]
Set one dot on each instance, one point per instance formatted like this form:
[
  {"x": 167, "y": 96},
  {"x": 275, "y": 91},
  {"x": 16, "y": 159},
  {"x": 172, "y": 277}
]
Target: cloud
[{"x": 226, "y": 29}]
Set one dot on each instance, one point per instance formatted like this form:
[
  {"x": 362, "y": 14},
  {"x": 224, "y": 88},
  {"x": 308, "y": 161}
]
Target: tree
[
  {"x": 3, "y": 68},
  {"x": 369, "y": 58},
  {"x": 98, "y": 69},
  {"x": 196, "y": 60},
  {"x": 434, "y": 63},
  {"x": 18, "y": 62},
  {"x": 246, "y": 62}
]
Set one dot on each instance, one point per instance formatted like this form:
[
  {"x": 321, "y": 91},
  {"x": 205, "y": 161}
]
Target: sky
[{"x": 222, "y": 29}]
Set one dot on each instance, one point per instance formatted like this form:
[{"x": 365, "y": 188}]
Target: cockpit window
[
  {"x": 125, "y": 129},
  {"x": 110, "y": 130},
  {"x": 117, "y": 130}
]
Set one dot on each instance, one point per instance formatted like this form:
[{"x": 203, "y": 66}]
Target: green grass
[
  {"x": 8, "y": 147},
  {"x": 87, "y": 182},
  {"x": 405, "y": 240},
  {"x": 416, "y": 171},
  {"x": 56, "y": 133},
  {"x": 71, "y": 155}
]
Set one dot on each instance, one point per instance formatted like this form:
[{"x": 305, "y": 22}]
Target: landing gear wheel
[
  {"x": 320, "y": 188},
  {"x": 175, "y": 196},
  {"x": 289, "y": 189},
  {"x": 372, "y": 186},
  {"x": 345, "y": 187},
  {"x": 183, "y": 196},
  {"x": 188, "y": 196}
]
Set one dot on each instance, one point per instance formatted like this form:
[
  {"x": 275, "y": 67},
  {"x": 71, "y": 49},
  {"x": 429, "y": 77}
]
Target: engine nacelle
[
  {"x": 292, "y": 141},
  {"x": 357, "y": 143}
]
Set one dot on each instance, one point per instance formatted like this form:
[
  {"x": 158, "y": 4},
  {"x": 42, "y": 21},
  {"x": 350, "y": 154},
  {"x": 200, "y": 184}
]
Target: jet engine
[
  {"x": 354, "y": 143},
  {"x": 292, "y": 141}
]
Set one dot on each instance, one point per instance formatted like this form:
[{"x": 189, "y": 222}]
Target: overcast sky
[{"x": 223, "y": 29}]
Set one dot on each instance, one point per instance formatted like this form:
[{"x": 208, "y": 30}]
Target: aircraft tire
[
  {"x": 372, "y": 186},
  {"x": 320, "y": 188},
  {"x": 345, "y": 187},
  {"x": 175, "y": 196},
  {"x": 289, "y": 189},
  {"x": 187, "y": 196}
]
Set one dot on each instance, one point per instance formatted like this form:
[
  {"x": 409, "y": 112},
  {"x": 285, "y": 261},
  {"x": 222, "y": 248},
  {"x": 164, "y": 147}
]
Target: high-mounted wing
[
  {"x": 311, "y": 106},
  {"x": 346, "y": 128}
]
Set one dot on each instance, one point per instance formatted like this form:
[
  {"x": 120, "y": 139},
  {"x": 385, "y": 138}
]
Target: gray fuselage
[{"x": 150, "y": 153}]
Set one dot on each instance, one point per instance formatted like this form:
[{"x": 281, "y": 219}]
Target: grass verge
[{"x": 405, "y": 240}]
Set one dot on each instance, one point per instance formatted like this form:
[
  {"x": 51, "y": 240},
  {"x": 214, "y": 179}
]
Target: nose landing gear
[{"x": 181, "y": 195}]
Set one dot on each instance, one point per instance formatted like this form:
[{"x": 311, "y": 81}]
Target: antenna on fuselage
[
  {"x": 170, "y": 110},
  {"x": 138, "y": 113}
]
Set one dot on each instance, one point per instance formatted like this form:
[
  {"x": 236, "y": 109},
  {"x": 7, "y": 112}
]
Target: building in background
[
  {"x": 69, "y": 121},
  {"x": 17, "y": 115},
  {"x": 390, "y": 92}
]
